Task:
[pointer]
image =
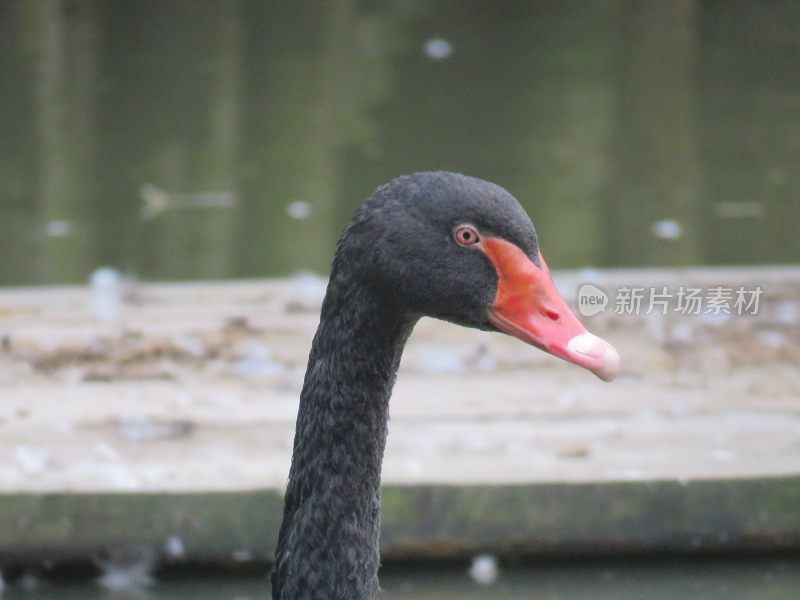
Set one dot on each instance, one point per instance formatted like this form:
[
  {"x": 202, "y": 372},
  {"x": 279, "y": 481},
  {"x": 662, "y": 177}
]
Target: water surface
[
  {"x": 665, "y": 579},
  {"x": 176, "y": 140}
]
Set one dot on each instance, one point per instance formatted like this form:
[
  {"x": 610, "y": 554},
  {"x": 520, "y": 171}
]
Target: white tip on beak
[{"x": 600, "y": 357}]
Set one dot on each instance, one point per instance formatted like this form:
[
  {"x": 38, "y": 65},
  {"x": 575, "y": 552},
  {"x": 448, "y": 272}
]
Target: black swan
[{"x": 438, "y": 244}]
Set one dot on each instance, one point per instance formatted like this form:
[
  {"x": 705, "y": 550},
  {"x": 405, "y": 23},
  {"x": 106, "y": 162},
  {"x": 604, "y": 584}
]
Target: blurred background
[
  {"x": 185, "y": 140},
  {"x": 182, "y": 139}
]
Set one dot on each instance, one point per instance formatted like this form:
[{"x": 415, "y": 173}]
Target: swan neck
[{"x": 329, "y": 538}]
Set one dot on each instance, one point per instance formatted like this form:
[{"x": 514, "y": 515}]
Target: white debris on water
[
  {"x": 438, "y": 49},
  {"x": 59, "y": 228},
  {"x": 31, "y": 459},
  {"x": 484, "y": 569},
  {"x": 127, "y": 571},
  {"x": 174, "y": 548},
  {"x": 667, "y": 229},
  {"x": 299, "y": 210},
  {"x": 157, "y": 201},
  {"x": 29, "y": 582},
  {"x": 242, "y": 555},
  {"x": 106, "y": 300}
]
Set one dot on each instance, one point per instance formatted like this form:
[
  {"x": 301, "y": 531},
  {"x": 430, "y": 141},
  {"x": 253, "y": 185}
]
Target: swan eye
[{"x": 466, "y": 235}]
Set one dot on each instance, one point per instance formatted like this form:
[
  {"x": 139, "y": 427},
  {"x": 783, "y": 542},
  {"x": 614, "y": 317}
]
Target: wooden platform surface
[{"x": 193, "y": 388}]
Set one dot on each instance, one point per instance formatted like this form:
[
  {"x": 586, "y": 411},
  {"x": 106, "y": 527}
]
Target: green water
[
  {"x": 667, "y": 579},
  {"x": 603, "y": 118}
]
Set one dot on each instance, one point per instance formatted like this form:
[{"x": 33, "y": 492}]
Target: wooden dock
[{"x": 168, "y": 414}]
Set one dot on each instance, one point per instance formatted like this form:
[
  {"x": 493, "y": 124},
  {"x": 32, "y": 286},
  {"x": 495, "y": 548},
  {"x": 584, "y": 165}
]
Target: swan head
[{"x": 464, "y": 250}]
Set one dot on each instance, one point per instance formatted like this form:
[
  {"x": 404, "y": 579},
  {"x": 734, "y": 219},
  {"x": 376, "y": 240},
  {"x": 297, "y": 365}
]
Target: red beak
[{"x": 528, "y": 306}]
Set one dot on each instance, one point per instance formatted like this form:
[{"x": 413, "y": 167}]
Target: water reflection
[
  {"x": 607, "y": 120},
  {"x": 665, "y": 579}
]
